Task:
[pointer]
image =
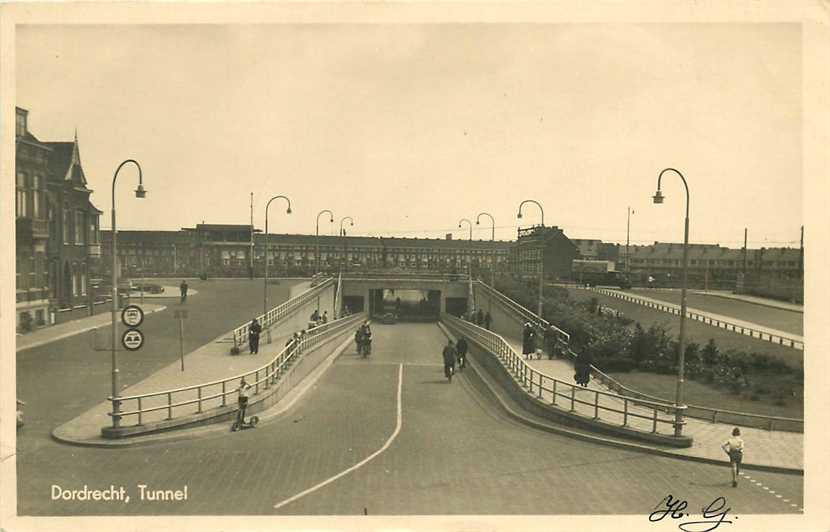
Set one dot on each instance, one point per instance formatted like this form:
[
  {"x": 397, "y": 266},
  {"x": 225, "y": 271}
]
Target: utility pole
[
  {"x": 627, "y": 235},
  {"x": 801, "y": 255},
  {"x": 745, "y": 251},
  {"x": 251, "y": 253}
]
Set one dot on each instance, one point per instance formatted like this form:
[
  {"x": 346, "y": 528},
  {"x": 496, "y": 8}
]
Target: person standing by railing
[
  {"x": 244, "y": 392},
  {"x": 253, "y": 336},
  {"x": 528, "y": 341},
  {"x": 550, "y": 340},
  {"x": 488, "y": 319},
  {"x": 461, "y": 353}
]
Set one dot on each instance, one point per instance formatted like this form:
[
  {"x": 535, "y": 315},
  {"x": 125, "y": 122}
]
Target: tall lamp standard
[
  {"x": 678, "y": 400},
  {"x": 469, "y": 272},
  {"x": 265, "y": 284},
  {"x": 541, "y": 254},
  {"x": 343, "y": 233},
  {"x": 139, "y": 193},
  {"x": 492, "y": 238},
  {"x": 317, "y": 233},
  {"x": 627, "y": 235}
]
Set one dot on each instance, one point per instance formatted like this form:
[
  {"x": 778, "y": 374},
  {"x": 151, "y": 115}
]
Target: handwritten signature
[{"x": 713, "y": 515}]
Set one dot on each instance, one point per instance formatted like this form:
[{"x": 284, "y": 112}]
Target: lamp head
[
  {"x": 477, "y": 223},
  {"x": 351, "y": 223},
  {"x": 332, "y": 220},
  {"x": 519, "y": 215},
  {"x": 658, "y": 197},
  {"x": 288, "y": 211},
  {"x": 140, "y": 192}
]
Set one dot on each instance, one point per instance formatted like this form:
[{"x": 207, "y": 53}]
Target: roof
[{"x": 65, "y": 162}]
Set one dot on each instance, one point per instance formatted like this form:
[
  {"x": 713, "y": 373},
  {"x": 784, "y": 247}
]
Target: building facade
[
  {"x": 74, "y": 249},
  {"x": 226, "y": 251},
  {"x": 548, "y": 244},
  {"x": 32, "y": 226}
]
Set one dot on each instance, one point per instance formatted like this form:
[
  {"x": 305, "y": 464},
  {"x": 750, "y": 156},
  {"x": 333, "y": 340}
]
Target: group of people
[
  {"x": 363, "y": 339},
  {"x": 318, "y": 319},
  {"x": 481, "y": 318},
  {"x": 454, "y": 353}
]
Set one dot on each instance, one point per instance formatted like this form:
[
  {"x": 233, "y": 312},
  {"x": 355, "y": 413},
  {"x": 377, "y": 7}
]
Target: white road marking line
[
  {"x": 786, "y": 500},
  {"x": 779, "y": 496},
  {"x": 361, "y": 463}
]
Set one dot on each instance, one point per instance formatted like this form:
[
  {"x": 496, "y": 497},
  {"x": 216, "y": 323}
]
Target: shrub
[
  {"x": 615, "y": 365},
  {"x": 710, "y": 353}
]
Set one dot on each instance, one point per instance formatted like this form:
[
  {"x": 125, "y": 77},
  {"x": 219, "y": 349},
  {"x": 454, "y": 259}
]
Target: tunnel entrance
[
  {"x": 457, "y": 306},
  {"x": 405, "y": 305},
  {"x": 353, "y": 304}
]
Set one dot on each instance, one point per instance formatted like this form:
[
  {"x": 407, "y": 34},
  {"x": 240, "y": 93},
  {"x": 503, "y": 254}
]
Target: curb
[
  {"x": 78, "y": 331},
  {"x": 197, "y": 432},
  {"x": 551, "y": 427}
]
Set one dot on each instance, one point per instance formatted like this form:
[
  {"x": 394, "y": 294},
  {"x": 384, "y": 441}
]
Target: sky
[{"x": 410, "y": 128}]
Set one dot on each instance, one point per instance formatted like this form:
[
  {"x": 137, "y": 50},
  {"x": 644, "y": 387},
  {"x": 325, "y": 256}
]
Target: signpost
[
  {"x": 132, "y": 316},
  {"x": 181, "y": 315},
  {"x": 132, "y": 339}
]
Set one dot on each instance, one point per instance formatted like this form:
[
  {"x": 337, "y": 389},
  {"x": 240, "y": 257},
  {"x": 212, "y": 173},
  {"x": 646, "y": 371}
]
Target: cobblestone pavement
[{"x": 452, "y": 451}]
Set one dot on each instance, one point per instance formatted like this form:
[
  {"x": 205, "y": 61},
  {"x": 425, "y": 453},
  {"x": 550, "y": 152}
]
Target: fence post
[
  {"x": 256, "y": 389},
  {"x": 139, "y": 410},
  {"x": 573, "y": 396},
  {"x": 540, "y": 385},
  {"x": 553, "y": 402},
  {"x": 654, "y": 427},
  {"x": 224, "y": 402},
  {"x": 596, "y": 404},
  {"x": 199, "y": 397},
  {"x": 169, "y": 405}
]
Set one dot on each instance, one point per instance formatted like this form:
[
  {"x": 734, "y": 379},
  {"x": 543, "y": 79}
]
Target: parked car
[{"x": 151, "y": 288}]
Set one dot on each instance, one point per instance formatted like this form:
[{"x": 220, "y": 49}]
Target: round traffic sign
[
  {"x": 132, "y": 316},
  {"x": 132, "y": 339}
]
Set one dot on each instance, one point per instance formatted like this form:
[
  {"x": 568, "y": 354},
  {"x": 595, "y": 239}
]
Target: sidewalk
[
  {"x": 70, "y": 328},
  {"x": 169, "y": 292},
  {"x": 783, "y": 305},
  {"x": 776, "y": 449},
  {"x": 208, "y": 363}
]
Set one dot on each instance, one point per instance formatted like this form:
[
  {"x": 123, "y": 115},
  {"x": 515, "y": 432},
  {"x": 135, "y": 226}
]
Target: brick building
[{"x": 547, "y": 243}]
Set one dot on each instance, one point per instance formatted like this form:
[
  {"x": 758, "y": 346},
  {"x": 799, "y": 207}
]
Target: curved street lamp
[
  {"x": 470, "y": 224},
  {"x": 139, "y": 193},
  {"x": 265, "y": 285},
  {"x": 678, "y": 399},
  {"x": 343, "y": 233},
  {"x": 317, "y": 233},
  {"x": 541, "y": 253}
]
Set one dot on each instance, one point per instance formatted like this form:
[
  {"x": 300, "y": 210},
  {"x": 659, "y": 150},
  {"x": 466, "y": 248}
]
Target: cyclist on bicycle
[
  {"x": 449, "y": 354},
  {"x": 461, "y": 353},
  {"x": 367, "y": 338}
]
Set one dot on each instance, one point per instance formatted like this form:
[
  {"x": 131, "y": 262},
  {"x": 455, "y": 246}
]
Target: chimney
[{"x": 448, "y": 236}]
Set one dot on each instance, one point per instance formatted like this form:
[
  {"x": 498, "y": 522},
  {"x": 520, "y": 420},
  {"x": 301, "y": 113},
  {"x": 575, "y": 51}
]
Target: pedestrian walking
[
  {"x": 528, "y": 341},
  {"x": 487, "y": 320},
  {"x": 461, "y": 353},
  {"x": 325, "y": 317},
  {"x": 449, "y": 355},
  {"x": 479, "y": 317},
  {"x": 734, "y": 448},
  {"x": 550, "y": 341},
  {"x": 183, "y": 291},
  {"x": 253, "y": 336}
]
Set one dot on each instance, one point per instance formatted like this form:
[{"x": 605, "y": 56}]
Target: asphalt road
[{"x": 450, "y": 451}]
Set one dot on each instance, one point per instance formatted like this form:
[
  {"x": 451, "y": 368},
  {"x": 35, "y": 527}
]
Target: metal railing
[
  {"x": 214, "y": 394},
  {"x": 240, "y": 334},
  {"x": 729, "y": 326},
  {"x": 564, "y": 394},
  {"x": 525, "y": 314}
]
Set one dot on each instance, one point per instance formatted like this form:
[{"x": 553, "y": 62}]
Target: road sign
[
  {"x": 180, "y": 314},
  {"x": 132, "y": 316},
  {"x": 132, "y": 339}
]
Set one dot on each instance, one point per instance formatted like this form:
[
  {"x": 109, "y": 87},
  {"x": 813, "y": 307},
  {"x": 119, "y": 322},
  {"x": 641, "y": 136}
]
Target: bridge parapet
[{"x": 590, "y": 408}]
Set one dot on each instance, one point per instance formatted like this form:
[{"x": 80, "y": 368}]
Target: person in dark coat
[
  {"x": 487, "y": 320},
  {"x": 479, "y": 317},
  {"x": 528, "y": 341},
  {"x": 449, "y": 355},
  {"x": 461, "y": 353},
  {"x": 183, "y": 290},
  {"x": 583, "y": 369},
  {"x": 253, "y": 336}
]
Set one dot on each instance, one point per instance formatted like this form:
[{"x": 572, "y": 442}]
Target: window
[
  {"x": 80, "y": 223},
  {"x": 20, "y": 125},
  {"x": 66, "y": 227},
  {"x": 36, "y": 182},
  {"x": 20, "y": 207}
]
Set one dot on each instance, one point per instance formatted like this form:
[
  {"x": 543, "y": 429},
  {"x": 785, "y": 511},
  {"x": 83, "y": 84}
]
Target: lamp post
[
  {"x": 678, "y": 400},
  {"x": 265, "y": 284},
  {"x": 342, "y": 233},
  {"x": 317, "y": 233},
  {"x": 541, "y": 254},
  {"x": 139, "y": 193},
  {"x": 492, "y": 238},
  {"x": 469, "y": 272},
  {"x": 627, "y": 236}
]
